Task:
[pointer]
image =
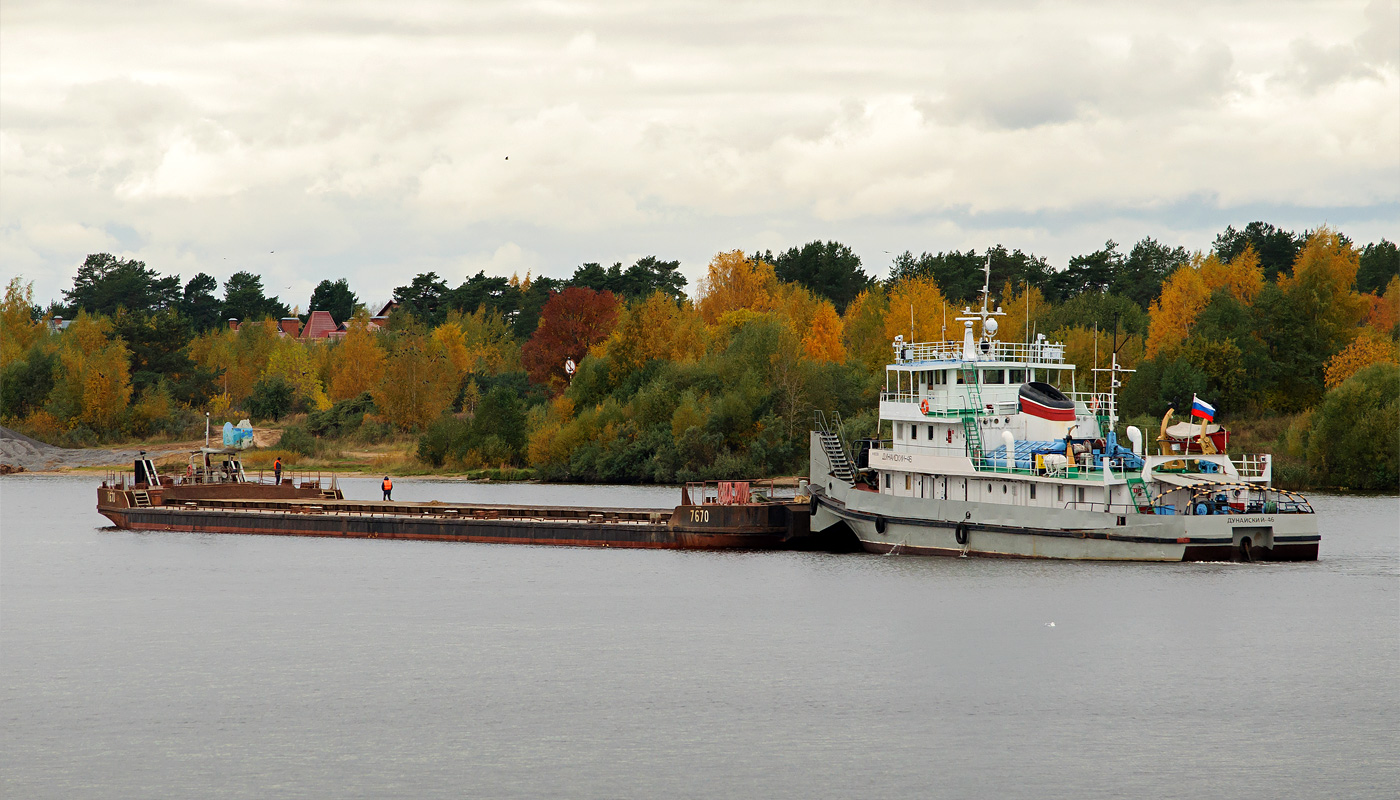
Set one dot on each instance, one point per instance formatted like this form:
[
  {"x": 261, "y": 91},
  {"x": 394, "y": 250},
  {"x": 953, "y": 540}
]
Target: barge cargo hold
[{"x": 728, "y": 516}]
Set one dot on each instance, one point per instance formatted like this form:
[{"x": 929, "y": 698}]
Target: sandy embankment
[{"x": 19, "y": 450}]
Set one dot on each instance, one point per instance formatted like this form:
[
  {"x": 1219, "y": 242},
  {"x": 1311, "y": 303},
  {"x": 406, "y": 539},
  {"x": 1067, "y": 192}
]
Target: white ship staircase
[{"x": 830, "y": 436}]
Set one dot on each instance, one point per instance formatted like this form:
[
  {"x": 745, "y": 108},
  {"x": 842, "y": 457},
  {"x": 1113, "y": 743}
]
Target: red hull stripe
[{"x": 1035, "y": 409}]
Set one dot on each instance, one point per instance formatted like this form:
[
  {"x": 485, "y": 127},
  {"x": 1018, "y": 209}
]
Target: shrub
[
  {"x": 299, "y": 440},
  {"x": 1355, "y": 431},
  {"x": 271, "y": 399}
]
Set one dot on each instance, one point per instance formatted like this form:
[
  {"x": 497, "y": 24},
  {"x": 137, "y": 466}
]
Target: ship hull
[
  {"x": 754, "y": 527},
  {"x": 885, "y": 524}
]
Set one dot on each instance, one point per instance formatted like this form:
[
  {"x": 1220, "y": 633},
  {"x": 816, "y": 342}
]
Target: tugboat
[
  {"x": 990, "y": 457},
  {"x": 213, "y": 473}
]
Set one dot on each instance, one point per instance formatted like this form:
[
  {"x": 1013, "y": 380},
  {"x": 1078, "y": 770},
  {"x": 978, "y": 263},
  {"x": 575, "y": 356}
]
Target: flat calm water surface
[{"x": 142, "y": 665}]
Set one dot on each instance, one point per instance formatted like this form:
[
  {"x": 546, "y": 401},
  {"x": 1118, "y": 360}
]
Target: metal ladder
[
  {"x": 141, "y": 498},
  {"x": 972, "y": 434},
  {"x": 1137, "y": 490},
  {"x": 841, "y": 465}
]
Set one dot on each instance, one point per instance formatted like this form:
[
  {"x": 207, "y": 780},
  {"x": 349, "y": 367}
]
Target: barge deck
[{"x": 730, "y": 518}]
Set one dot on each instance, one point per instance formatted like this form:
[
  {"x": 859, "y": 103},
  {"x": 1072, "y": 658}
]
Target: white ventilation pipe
[
  {"x": 1135, "y": 437},
  {"x": 1009, "y": 439}
]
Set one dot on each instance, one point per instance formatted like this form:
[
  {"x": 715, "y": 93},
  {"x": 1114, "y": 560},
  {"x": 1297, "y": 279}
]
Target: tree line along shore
[{"x": 1294, "y": 337}]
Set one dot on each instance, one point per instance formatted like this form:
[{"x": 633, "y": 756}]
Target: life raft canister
[{"x": 923, "y": 405}]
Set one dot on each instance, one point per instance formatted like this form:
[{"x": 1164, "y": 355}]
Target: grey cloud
[{"x": 1071, "y": 79}]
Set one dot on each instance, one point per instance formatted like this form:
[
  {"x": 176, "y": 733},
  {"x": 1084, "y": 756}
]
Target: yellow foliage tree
[
  {"x": 658, "y": 327},
  {"x": 1024, "y": 309},
  {"x": 1322, "y": 284},
  {"x": 419, "y": 382},
  {"x": 106, "y": 382},
  {"x": 291, "y": 362},
  {"x": 925, "y": 299},
  {"x": 18, "y": 328},
  {"x": 1243, "y": 277},
  {"x": 479, "y": 342},
  {"x": 735, "y": 281},
  {"x": 357, "y": 363},
  {"x": 823, "y": 339},
  {"x": 1174, "y": 313},
  {"x": 1371, "y": 347},
  {"x": 863, "y": 327}
]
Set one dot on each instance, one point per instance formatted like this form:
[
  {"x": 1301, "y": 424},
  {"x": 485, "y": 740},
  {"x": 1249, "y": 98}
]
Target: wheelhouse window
[
  {"x": 940, "y": 377},
  {"x": 1016, "y": 376},
  {"x": 993, "y": 376}
]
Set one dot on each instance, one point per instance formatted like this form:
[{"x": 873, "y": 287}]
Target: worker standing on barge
[{"x": 388, "y": 487}]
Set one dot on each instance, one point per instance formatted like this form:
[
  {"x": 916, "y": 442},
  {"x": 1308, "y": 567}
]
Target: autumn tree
[
  {"x": 822, "y": 341},
  {"x": 656, "y": 328},
  {"x": 1174, "y": 312},
  {"x": 290, "y": 361},
  {"x": 419, "y": 381},
  {"x": 863, "y": 327},
  {"x": 572, "y": 321},
  {"x": 1369, "y": 348},
  {"x": 734, "y": 281},
  {"x": 917, "y": 311},
  {"x": 480, "y": 342},
  {"x": 18, "y": 327}
]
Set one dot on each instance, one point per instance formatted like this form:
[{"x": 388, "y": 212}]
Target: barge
[{"x": 723, "y": 515}]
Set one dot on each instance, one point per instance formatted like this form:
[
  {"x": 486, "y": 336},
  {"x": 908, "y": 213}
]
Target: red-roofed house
[{"x": 320, "y": 325}]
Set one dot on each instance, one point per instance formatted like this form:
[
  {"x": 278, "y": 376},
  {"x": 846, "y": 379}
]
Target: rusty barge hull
[{"x": 755, "y": 527}]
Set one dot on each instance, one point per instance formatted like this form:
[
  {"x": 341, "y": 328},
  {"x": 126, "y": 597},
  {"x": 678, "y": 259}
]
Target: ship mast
[{"x": 986, "y": 317}]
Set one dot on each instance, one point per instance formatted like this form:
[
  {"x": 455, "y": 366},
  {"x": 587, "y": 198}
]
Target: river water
[{"x": 140, "y": 665}]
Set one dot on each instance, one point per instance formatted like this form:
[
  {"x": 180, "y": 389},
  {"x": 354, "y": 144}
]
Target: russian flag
[{"x": 1200, "y": 408}]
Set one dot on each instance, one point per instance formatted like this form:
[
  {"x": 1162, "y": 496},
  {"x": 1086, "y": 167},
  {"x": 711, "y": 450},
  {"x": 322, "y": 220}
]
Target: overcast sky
[{"x": 377, "y": 140}]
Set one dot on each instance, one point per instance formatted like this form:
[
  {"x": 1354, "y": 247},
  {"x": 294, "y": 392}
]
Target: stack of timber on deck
[{"x": 746, "y": 526}]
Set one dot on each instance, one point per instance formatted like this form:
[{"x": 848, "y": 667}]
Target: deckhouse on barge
[{"x": 990, "y": 458}]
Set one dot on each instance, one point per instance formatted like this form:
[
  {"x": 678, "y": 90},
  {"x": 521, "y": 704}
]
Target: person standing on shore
[
  {"x": 388, "y": 487},
  {"x": 277, "y": 470}
]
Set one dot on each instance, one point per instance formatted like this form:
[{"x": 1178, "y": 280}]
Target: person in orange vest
[
  {"x": 277, "y": 470},
  {"x": 388, "y": 487}
]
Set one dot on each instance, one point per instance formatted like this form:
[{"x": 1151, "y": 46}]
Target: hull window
[
  {"x": 887, "y": 480},
  {"x": 1032, "y": 491}
]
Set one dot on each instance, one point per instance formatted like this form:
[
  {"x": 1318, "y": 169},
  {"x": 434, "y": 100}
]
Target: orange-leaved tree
[
  {"x": 735, "y": 281},
  {"x": 1371, "y": 347},
  {"x": 917, "y": 310},
  {"x": 571, "y": 322},
  {"x": 822, "y": 341},
  {"x": 1174, "y": 313},
  {"x": 357, "y": 361}
]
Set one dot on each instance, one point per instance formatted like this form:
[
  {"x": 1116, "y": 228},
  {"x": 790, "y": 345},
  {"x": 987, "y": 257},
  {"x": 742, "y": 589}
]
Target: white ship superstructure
[{"x": 990, "y": 457}]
